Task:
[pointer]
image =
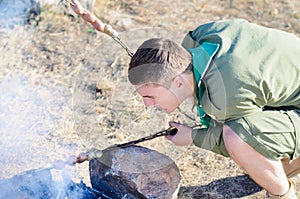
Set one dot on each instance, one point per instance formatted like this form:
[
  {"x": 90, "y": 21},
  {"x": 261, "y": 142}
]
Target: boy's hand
[{"x": 184, "y": 135}]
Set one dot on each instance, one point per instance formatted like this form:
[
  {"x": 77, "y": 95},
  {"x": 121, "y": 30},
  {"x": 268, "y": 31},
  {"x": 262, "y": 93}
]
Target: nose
[{"x": 148, "y": 102}]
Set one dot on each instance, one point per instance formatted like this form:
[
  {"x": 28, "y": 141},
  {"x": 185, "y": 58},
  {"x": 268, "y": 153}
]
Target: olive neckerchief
[{"x": 202, "y": 58}]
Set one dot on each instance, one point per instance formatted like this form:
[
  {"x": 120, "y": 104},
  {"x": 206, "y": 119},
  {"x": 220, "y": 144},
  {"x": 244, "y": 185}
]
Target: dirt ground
[{"x": 65, "y": 90}]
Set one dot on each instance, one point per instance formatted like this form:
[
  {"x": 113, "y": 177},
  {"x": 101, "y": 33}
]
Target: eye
[{"x": 148, "y": 97}]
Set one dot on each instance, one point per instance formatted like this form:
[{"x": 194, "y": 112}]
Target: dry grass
[{"x": 91, "y": 102}]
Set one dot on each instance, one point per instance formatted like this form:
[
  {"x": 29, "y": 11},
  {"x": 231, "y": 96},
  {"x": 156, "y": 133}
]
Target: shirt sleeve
[{"x": 210, "y": 138}]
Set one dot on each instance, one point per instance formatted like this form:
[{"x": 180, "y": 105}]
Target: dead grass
[{"x": 101, "y": 108}]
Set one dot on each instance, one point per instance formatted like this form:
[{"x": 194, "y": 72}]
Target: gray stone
[{"x": 149, "y": 172}]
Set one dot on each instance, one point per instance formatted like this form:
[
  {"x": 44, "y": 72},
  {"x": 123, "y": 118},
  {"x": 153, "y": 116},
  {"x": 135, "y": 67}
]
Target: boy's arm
[{"x": 210, "y": 138}]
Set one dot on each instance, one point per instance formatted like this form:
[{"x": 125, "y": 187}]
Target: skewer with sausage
[{"x": 96, "y": 23}]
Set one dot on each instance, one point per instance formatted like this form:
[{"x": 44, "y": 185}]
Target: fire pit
[
  {"x": 39, "y": 183},
  {"x": 121, "y": 173}
]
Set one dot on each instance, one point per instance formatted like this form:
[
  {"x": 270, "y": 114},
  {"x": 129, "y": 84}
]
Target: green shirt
[
  {"x": 255, "y": 67},
  {"x": 202, "y": 57}
]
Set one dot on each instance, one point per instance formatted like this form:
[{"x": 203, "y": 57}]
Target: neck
[{"x": 189, "y": 85}]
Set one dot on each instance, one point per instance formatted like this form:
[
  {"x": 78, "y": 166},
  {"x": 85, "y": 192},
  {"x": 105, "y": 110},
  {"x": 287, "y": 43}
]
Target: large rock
[{"x": 140, "y": 170}]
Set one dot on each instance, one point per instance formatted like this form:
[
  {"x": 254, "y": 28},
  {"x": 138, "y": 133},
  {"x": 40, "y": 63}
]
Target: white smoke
[{"x": 28, "y": 116}]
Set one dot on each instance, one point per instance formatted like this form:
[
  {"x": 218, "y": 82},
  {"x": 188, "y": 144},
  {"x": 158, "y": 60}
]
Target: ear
[{"x": 179, "y": 81}]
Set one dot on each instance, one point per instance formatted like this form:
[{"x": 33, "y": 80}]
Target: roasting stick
[
  {"x": 97, "y": 24},
  {"x": 96, "y": 153}
]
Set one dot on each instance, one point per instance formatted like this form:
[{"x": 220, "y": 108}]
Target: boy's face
[{"x": 158, "y": 96}]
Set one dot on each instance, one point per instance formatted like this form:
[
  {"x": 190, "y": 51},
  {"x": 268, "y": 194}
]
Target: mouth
[{"x": 160, "y": 109}]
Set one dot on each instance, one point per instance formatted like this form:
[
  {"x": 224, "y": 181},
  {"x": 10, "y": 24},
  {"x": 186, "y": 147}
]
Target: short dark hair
[{"x": 158, "y": 61}]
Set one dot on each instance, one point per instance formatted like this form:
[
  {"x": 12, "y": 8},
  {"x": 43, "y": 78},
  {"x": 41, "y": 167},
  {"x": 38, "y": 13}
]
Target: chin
[{"x": 168, "y": 111}]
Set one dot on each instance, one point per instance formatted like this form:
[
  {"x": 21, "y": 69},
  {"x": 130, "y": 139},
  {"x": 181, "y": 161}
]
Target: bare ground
[{"x": 64, "y": 88}]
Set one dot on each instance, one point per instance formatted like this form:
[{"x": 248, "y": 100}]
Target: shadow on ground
[{"x": 230, "y": 187}]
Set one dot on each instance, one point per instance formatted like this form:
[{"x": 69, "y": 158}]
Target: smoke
[
  {"x": 35, "y": 124},
  {"x": 28, "y": 117},
  {"x": 40, "y": 183},
  {"x": 17, "y": 12}
]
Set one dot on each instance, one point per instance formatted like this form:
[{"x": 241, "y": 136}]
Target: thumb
[{"x": 172, "y": 124}]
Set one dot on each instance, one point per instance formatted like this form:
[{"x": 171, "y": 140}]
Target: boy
[{"x": 245, "y": 79}]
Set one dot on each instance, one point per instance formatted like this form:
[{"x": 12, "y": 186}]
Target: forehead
[{"x": 149, "y": 89}]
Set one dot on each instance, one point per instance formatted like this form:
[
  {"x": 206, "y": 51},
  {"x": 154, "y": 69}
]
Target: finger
[
  {"x": 169, "y": 137},
  {"x": 174, "y": 124}
]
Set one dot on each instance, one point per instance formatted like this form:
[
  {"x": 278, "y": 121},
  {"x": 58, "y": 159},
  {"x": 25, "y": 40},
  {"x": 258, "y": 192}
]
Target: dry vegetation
[{"x": 79, "y": 76}]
